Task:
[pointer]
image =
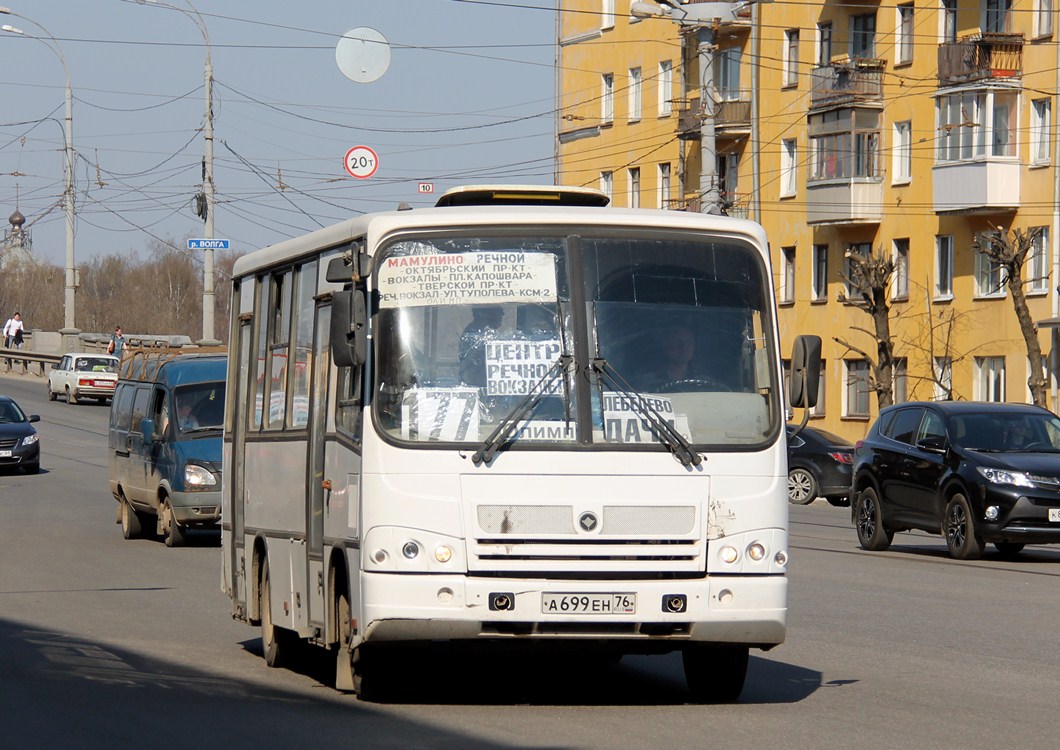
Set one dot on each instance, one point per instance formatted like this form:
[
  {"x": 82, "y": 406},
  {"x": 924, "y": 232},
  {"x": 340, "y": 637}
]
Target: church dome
[{"x": 17, "y": 219}]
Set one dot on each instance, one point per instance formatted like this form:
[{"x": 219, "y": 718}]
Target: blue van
[{"x": 164, "y": 462}]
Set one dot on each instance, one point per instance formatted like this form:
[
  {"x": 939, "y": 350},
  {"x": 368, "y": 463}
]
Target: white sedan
[{"x": 84, "y": 376}]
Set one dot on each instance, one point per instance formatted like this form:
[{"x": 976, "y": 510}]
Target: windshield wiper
[
  {"x": 661, "y": 428},
  {"x": 507, "y": 426}
]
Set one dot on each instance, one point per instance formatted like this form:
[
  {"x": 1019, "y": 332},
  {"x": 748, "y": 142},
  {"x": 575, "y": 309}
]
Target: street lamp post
[
  {"x": 701, "y": 17},
  {"x": 208, "y": 190},
  {"x": 69, "y": 328}
]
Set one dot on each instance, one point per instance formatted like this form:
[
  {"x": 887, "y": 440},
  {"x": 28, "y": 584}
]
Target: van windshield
[{"x": 199, "y": 407}]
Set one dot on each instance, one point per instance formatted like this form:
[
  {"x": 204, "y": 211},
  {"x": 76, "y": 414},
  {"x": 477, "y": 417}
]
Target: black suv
[{"x": 974, "y": 472}]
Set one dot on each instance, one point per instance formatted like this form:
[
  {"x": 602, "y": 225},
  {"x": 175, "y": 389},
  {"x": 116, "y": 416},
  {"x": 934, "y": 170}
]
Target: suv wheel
[
  {"x": 869, "y": 521},
  {"x": 961, "y": 539}
]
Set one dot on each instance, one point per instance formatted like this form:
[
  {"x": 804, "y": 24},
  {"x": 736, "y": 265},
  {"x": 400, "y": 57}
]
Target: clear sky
[{"x": 468, "y": 97}]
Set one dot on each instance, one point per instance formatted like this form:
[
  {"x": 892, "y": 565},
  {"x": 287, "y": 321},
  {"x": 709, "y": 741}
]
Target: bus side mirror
[
  {"x": 805, "y": 372},
  {"x": 349, "y": 328}
]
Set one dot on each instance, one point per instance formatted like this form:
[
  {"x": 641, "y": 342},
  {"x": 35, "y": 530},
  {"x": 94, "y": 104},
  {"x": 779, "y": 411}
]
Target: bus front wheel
[
  {"x": 715, "y": 673},
  {"x": 277, "y": 644}
]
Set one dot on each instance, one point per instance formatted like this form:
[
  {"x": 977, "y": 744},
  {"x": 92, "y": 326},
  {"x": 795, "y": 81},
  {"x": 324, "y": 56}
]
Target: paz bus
[{"x": 518, "y": 418}]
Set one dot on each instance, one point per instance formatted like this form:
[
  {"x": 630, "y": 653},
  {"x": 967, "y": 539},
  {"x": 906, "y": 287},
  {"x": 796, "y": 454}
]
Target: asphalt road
[{"x": 107, "y": 643}]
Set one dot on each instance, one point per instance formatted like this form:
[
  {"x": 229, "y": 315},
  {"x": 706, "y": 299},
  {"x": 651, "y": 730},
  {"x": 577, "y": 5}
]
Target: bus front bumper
[{"x": 724, "y": 609}]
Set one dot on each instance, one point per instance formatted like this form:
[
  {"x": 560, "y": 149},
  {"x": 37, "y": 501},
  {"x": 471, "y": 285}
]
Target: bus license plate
[
  {"x": 589, "y": 604},
  {"x": 1054, "y": 515}
]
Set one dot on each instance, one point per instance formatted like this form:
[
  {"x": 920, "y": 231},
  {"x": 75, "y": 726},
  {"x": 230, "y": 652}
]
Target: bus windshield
[{"x": 640, "y": 327}]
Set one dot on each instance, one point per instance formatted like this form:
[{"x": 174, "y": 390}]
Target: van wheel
[
  {"x": 277, "y": 644},
  {"x": 70, "y": 397},
  {"x": 130, "y": 522},
  {"x": 173, "y": 532}
]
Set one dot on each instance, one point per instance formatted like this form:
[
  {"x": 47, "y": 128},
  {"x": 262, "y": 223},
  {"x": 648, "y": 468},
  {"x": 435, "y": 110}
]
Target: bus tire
[
  {"x": 372, "y": 679},
  {"x": 344, "y": 679},
  {"x": 277, "y": 644},
  {"x": 715, "y": 673}
]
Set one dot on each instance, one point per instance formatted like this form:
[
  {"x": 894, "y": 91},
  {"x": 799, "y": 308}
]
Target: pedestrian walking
[
  {"x": 13, "y": 331},
  {"x": 117, "y": 343}
]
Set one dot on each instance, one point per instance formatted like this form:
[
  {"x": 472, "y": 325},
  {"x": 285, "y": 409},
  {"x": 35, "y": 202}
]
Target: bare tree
[
  {"x": 868, "y": 275},
  {"x": 1010, "y": 255}
]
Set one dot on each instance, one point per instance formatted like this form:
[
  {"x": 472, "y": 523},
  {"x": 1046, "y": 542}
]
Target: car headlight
[
  {"x": 198, "y": 476},
  {"x": 30, "y": 439},
  {"x": 1004, "y": 476}
]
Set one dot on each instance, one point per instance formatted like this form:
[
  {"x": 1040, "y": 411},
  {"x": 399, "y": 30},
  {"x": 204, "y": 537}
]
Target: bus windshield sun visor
[
  {"x": 507, "y": 426},
  {"x": 661, "y": 428}
]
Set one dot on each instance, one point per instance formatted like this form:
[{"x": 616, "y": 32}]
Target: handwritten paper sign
[
  {"x": 440, "y": 414},
  {"x": 514, "y": 367},
  {"x": 625, "y": 422}
]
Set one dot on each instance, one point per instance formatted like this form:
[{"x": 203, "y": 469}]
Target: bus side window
[{"x": 348, "y": 397}]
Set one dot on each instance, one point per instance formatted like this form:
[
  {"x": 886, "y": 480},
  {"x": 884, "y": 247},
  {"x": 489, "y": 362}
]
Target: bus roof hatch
[{"x": 522, "y": 195}]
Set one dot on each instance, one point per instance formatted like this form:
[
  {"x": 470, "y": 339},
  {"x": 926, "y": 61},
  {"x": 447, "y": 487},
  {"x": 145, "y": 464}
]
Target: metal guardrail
[{"x": 12, "y": 358}]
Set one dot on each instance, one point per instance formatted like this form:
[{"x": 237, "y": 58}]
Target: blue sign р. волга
[{"x": 204, "y": 244}]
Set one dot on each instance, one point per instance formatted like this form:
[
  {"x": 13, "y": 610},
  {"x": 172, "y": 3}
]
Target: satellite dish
[{"x": 363, "y": 55}]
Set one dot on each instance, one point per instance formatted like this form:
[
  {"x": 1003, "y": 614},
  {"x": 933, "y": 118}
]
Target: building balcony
[
  {"x": 976, "y": 187},
  {"x": 845, "y": 201},
  {"x": 689, "y": 118},
  {"x": 847, "y": 81},
  {"x": 691, "y": 203},
  {"x": 732, "y": 113},
  {"x": 979, "y": 57}
]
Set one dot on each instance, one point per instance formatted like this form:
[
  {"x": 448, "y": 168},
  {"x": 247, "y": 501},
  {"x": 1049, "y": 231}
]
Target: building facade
[{"x": 904, "y": 130}]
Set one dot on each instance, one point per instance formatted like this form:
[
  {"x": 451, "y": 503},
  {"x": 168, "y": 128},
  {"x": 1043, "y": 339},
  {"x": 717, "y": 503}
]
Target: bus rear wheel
[{"x": 715, "y": 673}]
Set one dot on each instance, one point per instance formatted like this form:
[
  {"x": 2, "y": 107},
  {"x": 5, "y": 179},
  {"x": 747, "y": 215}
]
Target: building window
[
  {"x": 824, "y": 43},
  {"x": 900, "y": 380},
  {"x": 1003, "y": 127},
  {"x": 989, "y": 276},
  {"x": 844, "y": 144},
  {"x": 607, "y": 14},
  {"x": 863, "y": 36},
  {"x": 1040, "y": 125},
  {"x": 963, "y": 134},
  {"x": 857, "y": 388},
  {"x": 948, "y": 32},
  {"x": 989, "y": 378},
  {"x": 997, "y": 15},
  {"x": 818, "y": 410},
  {"x": 791, "y": 57},
  {"x": 634, "y": 188},
  {"x": 820, "y": 271},
  {"x": 1036, "y": 267},
  {"x": 904, "y": 32},
  {"x": 787, "y": 274},
  {"x": 634, "y": 94},
  {"x": 666, "y": 87},
  {"x": 944, "y": 266},
  {"x": 607, "y": 97},
  {"x": 943, "y": 383},
  {"x": 664, "y": 185},
  {"x": 727, "y": 74},
  {"x": 607, "y": 184},
  {"x": 1043, "y": 18},
  {"x": 900, "y": 279},
  {"x": 902, "y": 153},
  {"x": 788, "y": 168}
]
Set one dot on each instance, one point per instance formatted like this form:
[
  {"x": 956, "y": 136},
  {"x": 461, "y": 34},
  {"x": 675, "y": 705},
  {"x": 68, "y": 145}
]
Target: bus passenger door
[
  {"x": 315, "y": 476},
  {"x": 236, "y": 562}
]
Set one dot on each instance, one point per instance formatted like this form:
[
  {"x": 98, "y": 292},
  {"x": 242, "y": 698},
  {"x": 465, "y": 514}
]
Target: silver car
[{"x": 84, "y": 375}]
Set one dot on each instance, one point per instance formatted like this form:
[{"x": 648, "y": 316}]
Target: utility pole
[
  {"x": 208, "y": 188},
  {"x": 710, "y": 195}
]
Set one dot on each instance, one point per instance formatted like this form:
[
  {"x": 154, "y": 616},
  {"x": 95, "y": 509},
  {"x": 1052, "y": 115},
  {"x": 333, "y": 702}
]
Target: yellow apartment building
[{"x": 901, "y": 128}]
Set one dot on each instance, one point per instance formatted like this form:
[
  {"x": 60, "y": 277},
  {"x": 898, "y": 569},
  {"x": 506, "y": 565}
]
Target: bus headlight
[
  {"x": 781, "y": 558},
  {"x": 410, "y": 550},
  {"x": 443, "y": 553},
  {"x": 756, "y": 551},
  {"x": 728, "y": 554}
]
